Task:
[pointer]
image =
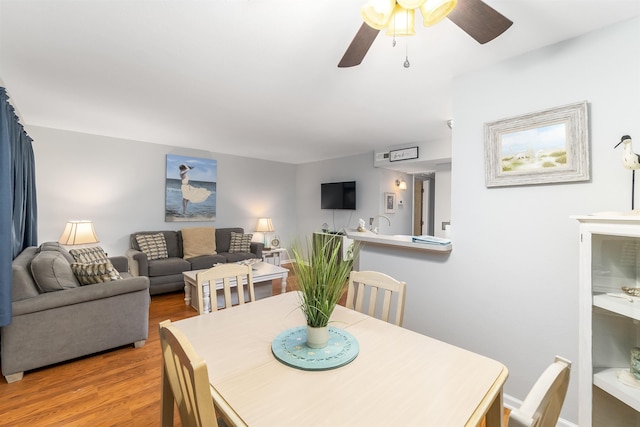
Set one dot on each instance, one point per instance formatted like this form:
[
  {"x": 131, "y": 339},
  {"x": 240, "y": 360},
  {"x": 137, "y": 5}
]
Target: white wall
[
  {"x": 521, "y": 240},
  {"x": 509, "y": 289},
  {"x": 434, "y": 156},
  {"x": 371, "y": 184},
  {"x": 120, "y": 185},
  {"x": 443, "y": 198}
]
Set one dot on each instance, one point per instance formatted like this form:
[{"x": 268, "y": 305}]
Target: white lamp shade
[
  {"x": 434, "y": 11},
  {"x": 78, "y": 233},
  {"x": 377, "y": 13},
  {"x": 410, "y": 4},
  {"x": 402, "y": 22},
  {"x": 264, "y": 225}
]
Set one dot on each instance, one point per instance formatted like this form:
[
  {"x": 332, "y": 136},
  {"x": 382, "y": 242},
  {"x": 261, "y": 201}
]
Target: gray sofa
[
  {"x": 165, "y": 275},
  {"x": 51, "y": 326}
]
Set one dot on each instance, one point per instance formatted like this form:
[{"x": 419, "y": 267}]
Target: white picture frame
[
  {"x": 543, "y": 147},
  {"x": 389, "y": 202}
]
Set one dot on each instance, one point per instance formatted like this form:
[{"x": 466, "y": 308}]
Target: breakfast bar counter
[{"x": 419, "y": 243}]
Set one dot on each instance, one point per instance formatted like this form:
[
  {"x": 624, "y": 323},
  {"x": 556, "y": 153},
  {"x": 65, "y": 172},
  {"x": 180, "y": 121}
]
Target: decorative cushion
[
  {"x": 89, "y": 255},
  {"x": 198, "y": 241},
  {"x": 223, "y": 238},
  {"x": 52, "y": 272},
  {"x": 153, "y": 245},
  {"x": 240, "y": 242},
  {"x": 91, "y": 273},
  {"x": 55, "y": 246}
]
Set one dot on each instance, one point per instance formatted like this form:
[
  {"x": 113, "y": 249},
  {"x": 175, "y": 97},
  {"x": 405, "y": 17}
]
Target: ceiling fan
[{"x": 475, "y": 17}]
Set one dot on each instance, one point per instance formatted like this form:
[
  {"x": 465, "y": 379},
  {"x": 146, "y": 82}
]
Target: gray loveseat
[
  {"x": 165, "y": 274},
  {"x": 68, "y": 320}
]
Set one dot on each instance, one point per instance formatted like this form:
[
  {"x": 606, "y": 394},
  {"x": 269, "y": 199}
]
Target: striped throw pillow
[
  {"x": 240, "y": 242},
  {"x": 153, "y": 245},
  {"x": 89, "y": 255},
  {"x": 91, "y": 273}
]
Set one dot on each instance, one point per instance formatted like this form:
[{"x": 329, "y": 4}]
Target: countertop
[{"x": 404, "y": 241}]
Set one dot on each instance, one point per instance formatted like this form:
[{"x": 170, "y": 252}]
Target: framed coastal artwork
[
  {"x": 389, "y": 202},
  {"x": 190, "y": 189},
  {"x": 544, "y": 147}
]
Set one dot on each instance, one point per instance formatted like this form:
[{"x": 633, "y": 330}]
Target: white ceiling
[{"x": 255, "y": 78}]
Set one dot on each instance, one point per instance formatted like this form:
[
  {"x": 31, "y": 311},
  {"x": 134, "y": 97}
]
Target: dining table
[{"x": 398, "y": 377}]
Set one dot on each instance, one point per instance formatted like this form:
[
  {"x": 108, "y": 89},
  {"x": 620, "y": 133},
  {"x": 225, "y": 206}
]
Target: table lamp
[
  {"x": 78, "y": 233},
  {"x": 265, "y": 226}
]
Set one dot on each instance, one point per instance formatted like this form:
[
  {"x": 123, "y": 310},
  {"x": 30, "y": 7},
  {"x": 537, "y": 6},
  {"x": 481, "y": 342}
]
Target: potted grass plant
[{"x": 322, "y": 278}]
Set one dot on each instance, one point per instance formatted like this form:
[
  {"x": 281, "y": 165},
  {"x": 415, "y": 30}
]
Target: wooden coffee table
[{"x": 262, "y": 272}]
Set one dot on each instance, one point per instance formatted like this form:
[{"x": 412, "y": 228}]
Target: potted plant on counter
[{"x": 322, "y": 278}]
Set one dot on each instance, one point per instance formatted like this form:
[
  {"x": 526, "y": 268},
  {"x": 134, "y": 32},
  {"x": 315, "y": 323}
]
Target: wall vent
[{"x": 382, "y": 156}]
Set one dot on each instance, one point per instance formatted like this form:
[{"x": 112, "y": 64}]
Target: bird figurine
[{"x": 631, "y": 161}]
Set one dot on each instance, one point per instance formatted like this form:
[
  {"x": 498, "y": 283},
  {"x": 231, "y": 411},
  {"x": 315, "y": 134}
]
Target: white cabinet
[{"x": 609, "y": 320}]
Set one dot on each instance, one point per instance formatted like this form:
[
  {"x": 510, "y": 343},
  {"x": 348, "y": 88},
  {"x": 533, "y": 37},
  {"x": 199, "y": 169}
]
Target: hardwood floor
[{"x": 115, "y": 388}]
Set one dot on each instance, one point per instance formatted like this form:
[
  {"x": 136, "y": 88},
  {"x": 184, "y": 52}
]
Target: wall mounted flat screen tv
[{"x": 338, "y": 195}]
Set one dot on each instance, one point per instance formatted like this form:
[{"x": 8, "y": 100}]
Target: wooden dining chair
[
  {"x": 381, "y": 289},
  {"x": 185, "y": 380},
  {"x": 541, "y": 407},
  {"x": 230, "y": 274}
]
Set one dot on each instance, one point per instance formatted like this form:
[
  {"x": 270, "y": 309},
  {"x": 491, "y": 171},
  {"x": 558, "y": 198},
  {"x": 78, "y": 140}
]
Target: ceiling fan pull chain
[
  {"x": 406, "y": 47},
  {"x": 393, "y": 42},
  {"x": 406, "y": 57}
]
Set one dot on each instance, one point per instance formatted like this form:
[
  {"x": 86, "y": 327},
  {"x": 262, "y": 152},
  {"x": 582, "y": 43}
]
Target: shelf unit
[
  {"x": 273, "y": 255},
  {"x": 609, "y": 320},
  {"x": 337, "y": 239}
]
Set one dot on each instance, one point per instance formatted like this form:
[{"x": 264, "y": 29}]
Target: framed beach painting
[
  {"x": 544, "y": 147},
  {"x": 190, "y": 189}
]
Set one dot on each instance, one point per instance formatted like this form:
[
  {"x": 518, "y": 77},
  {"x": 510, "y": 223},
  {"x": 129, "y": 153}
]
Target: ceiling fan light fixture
[
  {"x": 476, "y": 18},
  {"x": 434, "y": 11},
  {"x": 411, "y": 4},
  {"x": 377, "y": 13},
  {"x": 402, "y": 22}
]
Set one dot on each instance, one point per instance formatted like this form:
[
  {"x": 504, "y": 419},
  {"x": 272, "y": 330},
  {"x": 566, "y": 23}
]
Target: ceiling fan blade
[
  {"x": 359, "y": 46},
  {"x": 479, "y": 20}
]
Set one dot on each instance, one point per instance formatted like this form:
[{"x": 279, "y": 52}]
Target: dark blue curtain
[{"x": 18, "y": 210}]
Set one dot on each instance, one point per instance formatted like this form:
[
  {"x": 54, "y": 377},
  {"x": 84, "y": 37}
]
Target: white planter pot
[{"x": 317, "y": 337}]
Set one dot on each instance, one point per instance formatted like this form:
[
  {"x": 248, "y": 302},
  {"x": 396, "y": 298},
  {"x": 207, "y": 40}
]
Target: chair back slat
[
  {"x": 373, "y": 298},
  {"x": 386, "y": 305}
]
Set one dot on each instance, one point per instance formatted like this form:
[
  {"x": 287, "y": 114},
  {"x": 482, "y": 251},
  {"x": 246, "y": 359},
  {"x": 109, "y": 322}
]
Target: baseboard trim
[{"x": 512, "y": 403}]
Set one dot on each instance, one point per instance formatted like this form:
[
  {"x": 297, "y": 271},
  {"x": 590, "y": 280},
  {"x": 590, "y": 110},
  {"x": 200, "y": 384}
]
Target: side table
[{"x": 272, "y": 256}]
